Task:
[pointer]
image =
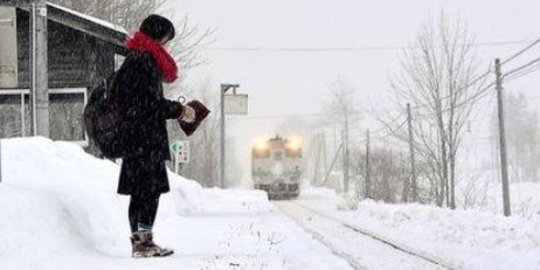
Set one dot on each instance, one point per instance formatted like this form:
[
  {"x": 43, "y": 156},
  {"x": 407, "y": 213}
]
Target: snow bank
[
  {"x": 484, "y": 192},
  {"x": 59, "y": 210},
  {"x": 55, "y": 197},
  {"x": 472, "y": 239}
]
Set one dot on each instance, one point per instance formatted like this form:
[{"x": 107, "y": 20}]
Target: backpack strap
[
  {"x": 105, "y": 85},
  {"x": 109, "y": 87}
]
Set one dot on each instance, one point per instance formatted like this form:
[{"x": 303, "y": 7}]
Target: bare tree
[
  {"x": 438, "y": 77},
  {"x": 205, "y": 148},
  {"x": 522, "y": 137},
  {"x": 203, "y": 165},
  {"x": 389, "y": 172},
  {"x": 125, "y": 13},
  {"x": 130, "y": 13},
  {"x": 342, "y": 109}
]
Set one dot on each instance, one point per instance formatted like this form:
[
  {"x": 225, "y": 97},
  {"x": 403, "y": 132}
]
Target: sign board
[
  {"x": 8, "y": 48},
  {"x": 236, "y": 104},
  {"x": 16, "y": 3},
  {"x": 181, "y": 151}
]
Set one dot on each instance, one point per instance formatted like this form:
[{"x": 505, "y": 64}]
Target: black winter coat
[{"x": 143, "y": 131}]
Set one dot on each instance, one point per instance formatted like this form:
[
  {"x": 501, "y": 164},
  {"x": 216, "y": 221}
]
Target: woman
[{"x": 143, "y": 131}]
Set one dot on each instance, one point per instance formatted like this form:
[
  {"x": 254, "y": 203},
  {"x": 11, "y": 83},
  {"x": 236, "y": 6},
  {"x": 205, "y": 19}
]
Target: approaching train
[{"x": 277, "y": 166}]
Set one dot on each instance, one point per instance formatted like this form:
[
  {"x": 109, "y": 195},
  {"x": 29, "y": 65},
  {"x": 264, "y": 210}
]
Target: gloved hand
[
  {"x": 201, "y": 112},
  {"x": 188, "y": 114}
]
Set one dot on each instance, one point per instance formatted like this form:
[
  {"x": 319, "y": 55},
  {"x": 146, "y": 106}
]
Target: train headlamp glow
[
  {"x": 294, "y": 144},
  {"x": 261, "y": 145}
]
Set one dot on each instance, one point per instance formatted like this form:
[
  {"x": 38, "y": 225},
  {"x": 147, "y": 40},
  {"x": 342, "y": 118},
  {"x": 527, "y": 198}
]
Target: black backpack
[{"x": 102, "y": 119}]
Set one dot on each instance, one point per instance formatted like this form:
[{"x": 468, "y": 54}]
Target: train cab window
[
  {"x": 261, "y": 153},
  {"x": 293, "y": 153},
  {"x": 278, "y": 155}
]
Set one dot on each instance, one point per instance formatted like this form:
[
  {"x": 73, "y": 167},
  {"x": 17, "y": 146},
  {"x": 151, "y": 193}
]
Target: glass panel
[
  {"x": 65, "y": 116},
  {"x": 8, "y": 48},
  {"x": 10, "y": 116},
  {"x": 278, "y": 155}
]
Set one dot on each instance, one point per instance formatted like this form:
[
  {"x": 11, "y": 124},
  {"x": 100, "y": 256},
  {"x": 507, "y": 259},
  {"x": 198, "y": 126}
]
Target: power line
[
  {"x": 313, "y": 115},
  {"x": 387, "y": 126},
  {"x": 389, "y": 134},
  {"x": 528, "y": 47},
  {"x": 509, "y": 73},
  {"x": 348, "y": 49},
  {"x": 513, "y": 74},
  {"x": 394, "y": 131},
  {"x": 480, "y": 93},
  {"x": 523, "y": 73},
  {"x": 263, "y": 117}
]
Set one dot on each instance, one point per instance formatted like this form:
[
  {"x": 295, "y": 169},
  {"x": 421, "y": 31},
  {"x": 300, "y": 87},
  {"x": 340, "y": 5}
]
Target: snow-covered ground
[
  {"x": 485, "y": 193},
  {"x": 360, "y": 250},
  {"x": 467, "y": 239},
  {"x": 59, "y": 210}
]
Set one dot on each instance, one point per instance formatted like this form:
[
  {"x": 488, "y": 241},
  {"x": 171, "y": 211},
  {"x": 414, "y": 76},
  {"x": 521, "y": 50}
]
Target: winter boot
[
  {"x": 143, "y": 246},
  {"x": 138, "y": 249}
]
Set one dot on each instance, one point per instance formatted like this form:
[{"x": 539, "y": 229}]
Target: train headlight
[
  {"x": 261, "y": 146},
  {"x": 293, "y": 144},
  {"x": 293, "y": 148},
  {"x": 261, "y": 149}
]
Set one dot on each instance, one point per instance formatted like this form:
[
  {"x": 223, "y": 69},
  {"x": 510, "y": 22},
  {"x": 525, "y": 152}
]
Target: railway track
[{"x": 412, "y": 258}]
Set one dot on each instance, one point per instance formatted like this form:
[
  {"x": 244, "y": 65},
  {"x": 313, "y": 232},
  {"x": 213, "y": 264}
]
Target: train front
[{"x": 277, "y": 167}]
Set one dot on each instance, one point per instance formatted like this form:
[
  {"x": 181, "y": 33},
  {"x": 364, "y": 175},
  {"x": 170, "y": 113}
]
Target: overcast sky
[{"x": 283, "y": 83}]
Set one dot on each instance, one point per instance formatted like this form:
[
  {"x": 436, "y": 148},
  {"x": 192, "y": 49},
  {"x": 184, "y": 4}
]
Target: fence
[{"x": 65, "y": 112}]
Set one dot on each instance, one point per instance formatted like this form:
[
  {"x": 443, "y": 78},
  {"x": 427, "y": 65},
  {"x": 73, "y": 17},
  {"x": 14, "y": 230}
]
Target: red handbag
[{"x": 201, "y": 112}]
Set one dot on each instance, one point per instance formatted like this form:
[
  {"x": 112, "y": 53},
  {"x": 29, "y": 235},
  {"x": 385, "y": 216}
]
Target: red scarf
[{"x": 166, "y": 65}]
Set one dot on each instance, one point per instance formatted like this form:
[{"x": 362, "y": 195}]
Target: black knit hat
[{"x": 157, "y": 27}]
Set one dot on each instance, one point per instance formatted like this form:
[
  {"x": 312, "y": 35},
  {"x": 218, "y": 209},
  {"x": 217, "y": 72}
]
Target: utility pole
[
  {"x": 0, "y": 160},
  {"x": 224, "y": 89},
  {"x": 502, "y": 140},
  {"x": 222, "y": 137},
  {"x": 335, "y": 138},
  {"x": 368, "y": 176},
  {"x": 39, "y": 74},
  {"x": 346, "y": 157},
  {"x": 411, "y": 150},
  {"x": 317, "y": 154},
  {"x": 327, "y": 174},
  {"x": 324, "y": 151}
]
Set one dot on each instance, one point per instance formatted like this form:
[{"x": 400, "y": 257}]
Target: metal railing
[{"x": 24, "y": 93}]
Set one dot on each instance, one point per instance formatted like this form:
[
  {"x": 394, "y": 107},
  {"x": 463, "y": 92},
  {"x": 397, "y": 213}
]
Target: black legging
[{"x": 142, "y": 212}]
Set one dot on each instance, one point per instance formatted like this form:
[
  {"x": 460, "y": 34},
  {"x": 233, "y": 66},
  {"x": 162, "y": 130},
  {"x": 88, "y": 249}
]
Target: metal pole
[
  {"x": 368, "y": 173},
  {"x": 222, "y": 128},
  {"x": 335, "y": 138},
  {"x": 23, "y": 121},
  {"x": 411, "y": 150},
  {"x": 346, "y": 172},
  {"x": 502, "y": 140},
  {"x": 39, "y": 69},
  {"x": 327, "y": 174},
  {"x": 324, "y": 151},
  {"x": 176, "y": 161},
  {"x": 32, "y": 68},
  {"x": 223, "y": 90},
  {"x": 317, "y": 154},
  {"x": 0, "y": 160},
  {"x": 344, "y": 159}
]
